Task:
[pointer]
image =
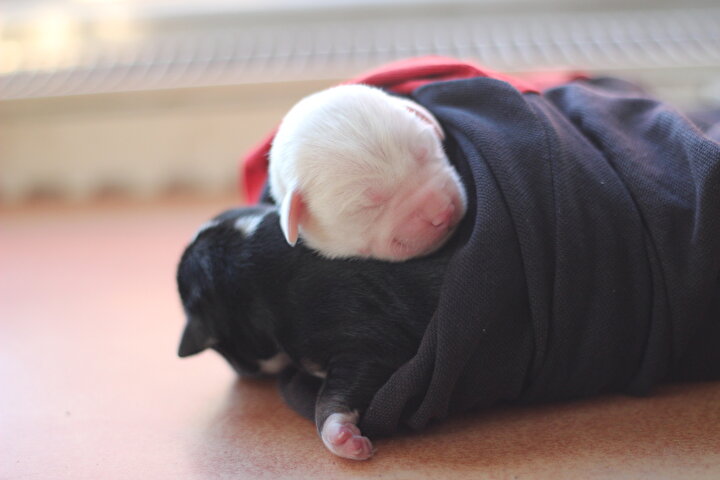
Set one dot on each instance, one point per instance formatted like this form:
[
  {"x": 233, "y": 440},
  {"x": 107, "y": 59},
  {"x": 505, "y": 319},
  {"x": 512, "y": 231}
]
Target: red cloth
[{"x": 400, "y": 77}]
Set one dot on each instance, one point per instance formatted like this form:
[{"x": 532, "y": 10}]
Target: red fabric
[{"x": 400, "y": 77}]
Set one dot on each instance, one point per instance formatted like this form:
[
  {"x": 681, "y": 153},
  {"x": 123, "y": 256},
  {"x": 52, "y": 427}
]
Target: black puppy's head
[{"x": 215, "y": 282}]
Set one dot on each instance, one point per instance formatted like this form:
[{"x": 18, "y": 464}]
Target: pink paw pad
[{"x": 343, "y": 438}]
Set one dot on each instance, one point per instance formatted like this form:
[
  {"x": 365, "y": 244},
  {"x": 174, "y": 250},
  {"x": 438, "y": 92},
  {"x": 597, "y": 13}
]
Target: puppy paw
[{"x": 342, "y": 437}]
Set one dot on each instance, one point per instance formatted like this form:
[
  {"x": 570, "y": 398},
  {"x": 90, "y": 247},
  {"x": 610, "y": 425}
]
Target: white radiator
[{"x": 139, "y": 98}]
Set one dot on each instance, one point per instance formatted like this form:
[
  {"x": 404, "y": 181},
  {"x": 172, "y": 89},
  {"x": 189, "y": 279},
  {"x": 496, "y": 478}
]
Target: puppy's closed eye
[
  {"x": 374, "y": 197},
  {"x": 357, "y": 171},
  {"x": 421, "y": 154}
]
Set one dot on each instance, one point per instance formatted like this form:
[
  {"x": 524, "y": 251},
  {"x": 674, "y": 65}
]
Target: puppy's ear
[
  {"x": 292, "y": 210},
  {"x": 423, "y": 114},
  {"x": 195, "y": 339}
]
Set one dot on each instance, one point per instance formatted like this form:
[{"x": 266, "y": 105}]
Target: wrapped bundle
[{"x": 588, "y": 260}]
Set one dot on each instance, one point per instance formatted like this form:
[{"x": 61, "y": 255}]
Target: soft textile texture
[
  {"x": 592, "y": 255},
  {"x": 400, "y": 77}
]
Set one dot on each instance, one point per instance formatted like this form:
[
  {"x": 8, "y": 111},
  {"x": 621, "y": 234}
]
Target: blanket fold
[
  {"x": 400, "y": 77},
  {"x": 590, "y": 259}
]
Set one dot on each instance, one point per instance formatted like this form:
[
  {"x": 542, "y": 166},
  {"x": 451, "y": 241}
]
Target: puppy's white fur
[
  {"x": 274, "y": 364},
  {"x": 249, "y": 224},
  {"x": 360, "y": 173}
]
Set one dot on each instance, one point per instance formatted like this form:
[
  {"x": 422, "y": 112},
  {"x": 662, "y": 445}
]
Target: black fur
[{"x": 250, "y": 298}]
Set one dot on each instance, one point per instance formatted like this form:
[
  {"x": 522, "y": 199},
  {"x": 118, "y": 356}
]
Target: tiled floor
[{"x": 90, "y": 387}]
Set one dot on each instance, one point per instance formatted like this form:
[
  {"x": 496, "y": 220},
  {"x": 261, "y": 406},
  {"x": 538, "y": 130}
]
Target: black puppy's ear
[{"x": 195, "y": 339}]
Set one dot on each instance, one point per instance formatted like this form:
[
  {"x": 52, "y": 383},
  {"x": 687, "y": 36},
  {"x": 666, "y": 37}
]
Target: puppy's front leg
[{"x": 344, "y": 396}]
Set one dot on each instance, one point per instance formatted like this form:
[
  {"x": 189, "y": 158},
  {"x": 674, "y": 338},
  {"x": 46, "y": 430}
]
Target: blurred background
[
  {"x": 121, "y": 128},
  {"x": 141, "y": 98}
]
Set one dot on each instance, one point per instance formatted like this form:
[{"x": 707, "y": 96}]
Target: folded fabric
[
  {"x": 593, "y": 264},
  {"x": 401, "y": 77},
  {"x": 590, "y": 259}
]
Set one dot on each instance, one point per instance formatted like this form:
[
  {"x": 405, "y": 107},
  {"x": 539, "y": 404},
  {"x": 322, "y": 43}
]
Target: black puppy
[{"x": 265, "y": 306}]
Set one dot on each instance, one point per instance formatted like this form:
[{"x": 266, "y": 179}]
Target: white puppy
[{"x": 360, "y": 173}]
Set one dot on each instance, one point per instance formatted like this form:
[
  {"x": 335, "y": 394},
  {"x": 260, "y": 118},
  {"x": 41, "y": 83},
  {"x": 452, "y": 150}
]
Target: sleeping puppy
[
  {"x": 360, "y": 173},
  {"x": 265, "y": 306}
]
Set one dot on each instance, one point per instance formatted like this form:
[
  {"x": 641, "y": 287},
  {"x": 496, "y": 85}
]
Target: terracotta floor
[{"x": 90, "y": 387}]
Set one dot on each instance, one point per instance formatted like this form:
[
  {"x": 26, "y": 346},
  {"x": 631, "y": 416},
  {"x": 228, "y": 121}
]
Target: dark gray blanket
[{"x": 590, "y": 259}]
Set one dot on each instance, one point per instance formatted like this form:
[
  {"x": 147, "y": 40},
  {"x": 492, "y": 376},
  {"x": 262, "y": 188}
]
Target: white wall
[{"x": 139, "y": 143}]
